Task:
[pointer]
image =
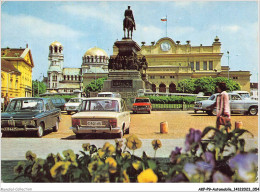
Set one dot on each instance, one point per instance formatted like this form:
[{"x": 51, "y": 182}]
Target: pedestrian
[
  {"x": 6, "y": 101},
  {"x": 222, "y": 106},
  {"x": 2, "y": 102}
]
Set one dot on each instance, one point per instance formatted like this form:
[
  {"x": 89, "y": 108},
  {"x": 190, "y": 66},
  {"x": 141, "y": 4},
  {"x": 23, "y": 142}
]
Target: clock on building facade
[{"x": 165, "y": 46}]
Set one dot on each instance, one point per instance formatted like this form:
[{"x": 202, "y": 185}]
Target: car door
[
  {"x": 54, "y": 113},
  {"x": 236, "y": 103}
]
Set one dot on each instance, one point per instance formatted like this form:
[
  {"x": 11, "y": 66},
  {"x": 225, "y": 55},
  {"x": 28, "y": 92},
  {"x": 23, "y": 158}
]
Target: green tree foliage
[
  {"x": 95, "y": 86},
  {"x": 206, "y": 85},
  {"x": 38, "y": 85}
]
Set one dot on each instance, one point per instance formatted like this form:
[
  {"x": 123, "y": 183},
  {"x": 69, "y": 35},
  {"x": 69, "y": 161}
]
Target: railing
[{"x": 172, "y": 107}]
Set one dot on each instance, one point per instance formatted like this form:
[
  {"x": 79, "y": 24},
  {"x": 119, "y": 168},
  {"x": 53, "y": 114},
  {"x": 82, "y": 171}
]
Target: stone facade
[{"x": 170, "y": 62}]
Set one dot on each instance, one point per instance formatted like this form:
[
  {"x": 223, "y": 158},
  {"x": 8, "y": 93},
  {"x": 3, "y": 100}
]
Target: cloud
[
  {"x": 35, "y": 27},
  {"x": 100, "y": 12}
]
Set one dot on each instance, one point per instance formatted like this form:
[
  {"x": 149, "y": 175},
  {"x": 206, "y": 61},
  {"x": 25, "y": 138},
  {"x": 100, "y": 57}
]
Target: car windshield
[
  {"x": 100, "y": 105},
  {"x": 244, "y": 95},
  {"x": 74, "y": 100},
  {"x": 212, "y": 97},
  {"x": 25, "y": 105},
  {"x": 142, "y": 101}
]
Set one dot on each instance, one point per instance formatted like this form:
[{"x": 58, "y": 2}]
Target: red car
[{"x": 142, "y": 104}]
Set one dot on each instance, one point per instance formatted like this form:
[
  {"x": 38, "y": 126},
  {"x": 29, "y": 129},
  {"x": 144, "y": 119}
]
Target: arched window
[
  {"x": 68, "y": 77},
  {"x": 162, "y": 88},
  {"x": 172, "y": 88},
  {"x": 88, "y": 59},
  {"x": 153, "y": 87},
  {"x": 71, "y": 77},
  {"x": 55, "y": 49},
  {"x": 92, "y": 59},
  {"x": 64, "y": 76}
]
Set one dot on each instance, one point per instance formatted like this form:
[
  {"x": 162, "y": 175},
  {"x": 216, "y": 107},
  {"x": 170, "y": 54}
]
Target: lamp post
[{"x": 228, "y": 64}]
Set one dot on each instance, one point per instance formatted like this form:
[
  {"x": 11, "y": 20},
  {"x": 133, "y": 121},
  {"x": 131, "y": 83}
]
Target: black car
[
  {"x": 58, "y": 103},
  {"x": 30, "y": 114}
]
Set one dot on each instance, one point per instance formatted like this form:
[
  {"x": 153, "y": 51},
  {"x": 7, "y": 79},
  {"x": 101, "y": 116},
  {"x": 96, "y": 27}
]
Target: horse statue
[{"x": 128, "y": 23}]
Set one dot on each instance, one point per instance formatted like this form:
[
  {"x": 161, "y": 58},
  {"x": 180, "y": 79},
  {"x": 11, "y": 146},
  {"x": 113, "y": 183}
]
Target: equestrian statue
[{"x": 129, "y": 23}]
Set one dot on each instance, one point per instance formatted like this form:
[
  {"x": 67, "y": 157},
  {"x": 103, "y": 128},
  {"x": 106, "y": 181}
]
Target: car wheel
[
  {"x": 209, "y": 113},
  {"x": 195, "y": 111},
  {"x": 134, "y": 112},
  {"x": 253, "y": 110},
  {"x": 214, "y": 112},
  {"x": 56, "y": 127},
  {"x": 40, "y": 131},
  {"x": 127, "y": 130},
  {"x": 68, "y": 112},
  {"x": 149, "y": 112}
]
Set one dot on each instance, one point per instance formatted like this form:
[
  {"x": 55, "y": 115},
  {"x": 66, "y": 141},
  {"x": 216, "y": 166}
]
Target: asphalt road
[{"x": 145, "y": 126}]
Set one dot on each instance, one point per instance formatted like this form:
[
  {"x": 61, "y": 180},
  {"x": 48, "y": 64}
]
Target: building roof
[
  {"x": 56, "y": 43},
  {"x": 95, "y": 51},
  {"x": 8, "y": 67},
  {"x": 71, "y": 71},
  {"x": 15, "y": 54}
]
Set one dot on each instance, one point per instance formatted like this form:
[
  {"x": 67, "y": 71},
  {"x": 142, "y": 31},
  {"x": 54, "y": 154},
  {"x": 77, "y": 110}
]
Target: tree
[
  {"x": 37, "y": 84},
  {"x": 95, "y": 86},
  {"x": 207, "y": 85}
]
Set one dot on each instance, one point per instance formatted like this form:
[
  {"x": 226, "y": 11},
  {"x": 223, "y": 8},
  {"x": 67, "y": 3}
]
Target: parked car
[
  {"x": 142, "y": 104},
  {"x": 237, "y": 105},
  {"x": 72, "y": 105},
  {"x": 109, "y": 94},
  {"x": 30, "y": 114},
  {"x": 197, "y": 100},
  {"x": 101, "y": 115},
  {"x": 58, "y": 103}
]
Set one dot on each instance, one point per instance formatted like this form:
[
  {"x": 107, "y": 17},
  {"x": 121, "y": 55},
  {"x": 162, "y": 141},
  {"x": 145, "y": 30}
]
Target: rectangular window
[
  {"x": 198, "y": 65},
  {"x": 172, "y": 77},
  {"x": 192, "y": 65},
  {"x": 152, "y": 77},
  {"x": 205, "y": 67},
  {"x": 162, "y": 77},
  {"x": 235, "y": 77},
  {"x": 210, "y": 65}
]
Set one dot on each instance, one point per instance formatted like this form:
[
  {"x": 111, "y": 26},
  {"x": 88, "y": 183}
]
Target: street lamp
[{"x": 228, "y": 64}]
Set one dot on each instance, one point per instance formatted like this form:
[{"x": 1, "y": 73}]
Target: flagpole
[{"x": 166, "y": 25}]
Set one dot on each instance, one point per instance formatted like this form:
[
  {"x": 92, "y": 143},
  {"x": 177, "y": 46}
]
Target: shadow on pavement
[{"x": 92, "y": 136}]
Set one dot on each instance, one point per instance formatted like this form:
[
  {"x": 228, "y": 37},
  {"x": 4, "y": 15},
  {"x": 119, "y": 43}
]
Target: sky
[{"x": 81, "y": 25}]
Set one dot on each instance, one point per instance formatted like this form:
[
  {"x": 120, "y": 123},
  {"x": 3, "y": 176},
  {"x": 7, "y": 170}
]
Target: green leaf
[
  {"x": 152, "y": 164},
  {"x": 207, "y": 129}
]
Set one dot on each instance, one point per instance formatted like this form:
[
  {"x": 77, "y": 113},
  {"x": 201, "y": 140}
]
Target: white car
[
  {"x": 72, "y": 105},
  {"x": 101, "y": 115}
]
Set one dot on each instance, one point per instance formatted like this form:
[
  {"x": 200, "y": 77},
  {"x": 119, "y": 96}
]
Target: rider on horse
[{"x": 129, "y": 21}]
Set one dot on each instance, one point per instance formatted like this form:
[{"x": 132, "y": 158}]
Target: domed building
[
  {"x": 94, "y": 65},
  {"x": 73, "y": 80}
]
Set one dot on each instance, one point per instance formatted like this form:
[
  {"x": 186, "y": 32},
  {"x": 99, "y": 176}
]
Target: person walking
[{"x": 222, "y": 107}]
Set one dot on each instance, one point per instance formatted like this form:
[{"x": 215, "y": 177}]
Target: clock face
[{"x": 165, "y": 46}]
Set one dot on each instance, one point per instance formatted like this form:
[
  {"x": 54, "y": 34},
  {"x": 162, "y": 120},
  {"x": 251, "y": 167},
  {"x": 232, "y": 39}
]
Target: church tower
[{"x": 56, "y": 59}]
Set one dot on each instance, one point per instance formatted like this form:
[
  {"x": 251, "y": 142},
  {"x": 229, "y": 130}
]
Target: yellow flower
[
  {"x": 137, "y": 165},
  {"x": 133, "y": 143},
  {"x": 30, "y": 156},
  {"x": 86, "y": 146},
  {"x": 19, "y": 167},
  {"x": 101, "y": 153},
  {"x": 37, "y": 166},
  {"x": 125, "y": 177},
  {"x": 70, "y": 156},
  {"x": 60, "y": 167},
  {"x": 112, "y": 164},
  {"x": 156, "y": 143},
  {"x": 126, "y": 155},
  {"x": 147, "y": 176},
  {"x": 93, "y": 166},
  {"x": 109, "y": 149}
]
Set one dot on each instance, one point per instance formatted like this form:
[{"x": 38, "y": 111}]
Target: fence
[{"x": 172, "y": 107}]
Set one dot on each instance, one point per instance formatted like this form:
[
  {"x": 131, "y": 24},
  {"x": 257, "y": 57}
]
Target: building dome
[
  {"x": 56, "y": 43},
  {"x": 95, "y": 51}
]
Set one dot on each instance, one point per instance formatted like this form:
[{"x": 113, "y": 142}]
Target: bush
[
  {"x": 200, "y": 161},
  {"x": 172, "y": 99}
]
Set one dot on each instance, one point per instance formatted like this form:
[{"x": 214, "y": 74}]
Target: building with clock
[{"x": 170, "y": 61}]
